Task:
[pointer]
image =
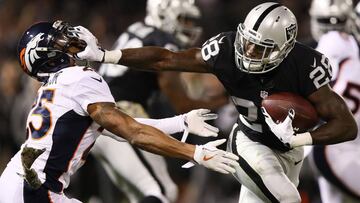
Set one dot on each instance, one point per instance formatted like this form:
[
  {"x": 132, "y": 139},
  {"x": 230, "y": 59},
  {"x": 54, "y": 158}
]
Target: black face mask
[{"x": 66, "y": 39}]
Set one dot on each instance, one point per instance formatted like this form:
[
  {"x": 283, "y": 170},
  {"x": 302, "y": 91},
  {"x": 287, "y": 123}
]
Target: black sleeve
[
  {"x": 315, "y": 72},
  {"x": 217, "y": 50}
]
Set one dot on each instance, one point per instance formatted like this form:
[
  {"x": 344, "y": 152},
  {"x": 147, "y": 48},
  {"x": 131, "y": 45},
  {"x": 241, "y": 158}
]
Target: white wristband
[
  {"x": 113, "y": 56},
  {"x": 301, "y": 140}
]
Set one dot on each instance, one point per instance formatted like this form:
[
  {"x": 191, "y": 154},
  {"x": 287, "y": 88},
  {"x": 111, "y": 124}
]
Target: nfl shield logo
[{"x": 263, "y": 94}]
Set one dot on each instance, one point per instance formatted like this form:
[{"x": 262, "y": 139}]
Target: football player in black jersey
[
  {"x": 170, "y": 24},
  {"x": 261, "y": 58}
]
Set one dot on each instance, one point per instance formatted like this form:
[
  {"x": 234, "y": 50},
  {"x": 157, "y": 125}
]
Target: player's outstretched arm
[
  {"x": 145, "y": 58},
  {"x": 153, "y": 140},
  {"x": 194, "y": 122}
]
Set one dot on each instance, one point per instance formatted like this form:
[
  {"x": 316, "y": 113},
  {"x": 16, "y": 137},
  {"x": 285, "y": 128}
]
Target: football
[{"x": 278, "y": 105}]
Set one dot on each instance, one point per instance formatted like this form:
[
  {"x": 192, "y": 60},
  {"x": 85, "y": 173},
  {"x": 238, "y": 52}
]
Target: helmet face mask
[
  {"x": 177, "y": 17},
  {"x": 263, "y": 41},
  {"x": 43, "y": 49}
]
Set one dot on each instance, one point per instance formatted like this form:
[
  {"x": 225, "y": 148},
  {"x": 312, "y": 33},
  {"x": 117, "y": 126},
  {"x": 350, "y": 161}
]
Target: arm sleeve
[
  {"x": 167, "y": 125},
  {"x": 90, "y": 89},
  {"x": 212, "y": 49},
  {"x": 315, "y": 72}
]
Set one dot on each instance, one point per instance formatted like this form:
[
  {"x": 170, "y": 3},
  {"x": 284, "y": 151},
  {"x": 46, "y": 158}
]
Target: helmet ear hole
[{"x": 37, "y": 54}]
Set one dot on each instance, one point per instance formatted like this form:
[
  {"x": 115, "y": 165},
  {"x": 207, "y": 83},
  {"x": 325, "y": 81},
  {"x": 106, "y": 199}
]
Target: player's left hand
[
  {"x": 213, "y": 158},
  {"x": 92, "y": 52},
  {"x": 283, "y": 130},
  {"x": 195, "y": 123}
]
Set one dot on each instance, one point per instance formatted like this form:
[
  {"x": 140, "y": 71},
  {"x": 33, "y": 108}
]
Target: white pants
[
  {"x": 266, "y": 175},
  {"x": 339, "y": 167},
  {"x": 14, "y": 190},
  {"x": 145, "y": 171}
]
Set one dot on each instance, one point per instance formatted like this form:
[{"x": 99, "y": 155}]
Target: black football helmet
[{"x": 45, "y": 48}]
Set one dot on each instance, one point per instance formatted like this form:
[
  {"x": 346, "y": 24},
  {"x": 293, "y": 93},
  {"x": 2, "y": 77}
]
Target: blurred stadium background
[{"x": 107, "y": 19}]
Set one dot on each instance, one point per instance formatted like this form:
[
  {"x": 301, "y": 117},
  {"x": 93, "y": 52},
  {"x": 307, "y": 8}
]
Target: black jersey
[
  {"x": 132, "y": 85},
  {"x": 302, "y": 72}
]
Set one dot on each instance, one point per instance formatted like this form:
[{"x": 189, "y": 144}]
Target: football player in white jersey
[
  {"x": 338, "y": 165},
  {"x": 260, "y": 58},
  {"x": 74, "y": 106},
  {"x": 171, "y": 24}
]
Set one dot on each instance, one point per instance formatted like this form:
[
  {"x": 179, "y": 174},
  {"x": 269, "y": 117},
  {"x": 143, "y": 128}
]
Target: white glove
[
  {"x": 195, "y": 123},
  {"x": 213, "y": 158},
  {"x": 92, "y": 52},
  {"x": 283, "y": 130}
]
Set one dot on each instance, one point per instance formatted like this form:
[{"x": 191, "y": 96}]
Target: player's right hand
[
  {"x": 92, "y": 52},
  {"x": 283, "y": 130},
  {"x": 215, "y": 159}
]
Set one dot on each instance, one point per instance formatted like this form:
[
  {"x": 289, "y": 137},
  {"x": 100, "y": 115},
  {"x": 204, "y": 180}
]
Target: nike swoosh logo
[
  {"x": 207, "y": 158},
  {"x": 221, "y": 40},
  {"x": 97, "y": 79},
  {"x": 297, "y": 162}
]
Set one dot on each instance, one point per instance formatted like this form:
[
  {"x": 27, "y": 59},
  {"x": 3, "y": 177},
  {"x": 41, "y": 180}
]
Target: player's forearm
[
  {"x": 151, "y": 58},
  {"x": 153, "y": 140},
  {"x": 340, "y": 125},
  {"x": 337, "y": 130},
  {"x": 140, "y": 135},
  {"x": 146, "y": 58}
]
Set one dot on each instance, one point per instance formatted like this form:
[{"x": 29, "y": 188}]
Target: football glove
[
  {"x": 283, "y": 130},
  {"x": 92, "y": 52},
  {"x": 195, "y": 123},
  {"x": 215, "y": 159}
]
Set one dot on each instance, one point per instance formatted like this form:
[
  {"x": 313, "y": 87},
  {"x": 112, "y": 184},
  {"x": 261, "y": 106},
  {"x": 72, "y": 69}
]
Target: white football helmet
[
  {"x": 356, "y": 22},
  {"x": 265, "y": 38},
  {"x": 177, "y": 17},
  {"x": 328, "y": 15}
]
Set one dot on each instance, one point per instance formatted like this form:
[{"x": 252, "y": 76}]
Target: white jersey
[
  {"x": 60, "y": 124},
  {"x": 343, "y": 53},
  {"x": 338, "y": 163},
  {"x": 338, "y": 47}
]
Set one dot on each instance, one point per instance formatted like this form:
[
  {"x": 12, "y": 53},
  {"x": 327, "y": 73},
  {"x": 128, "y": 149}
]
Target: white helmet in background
[
  {"x": 356, "y": 22},
  {"x": 266, "y": 37},
  {"x": 328, "y": 15},
  {"x": 177, "y": 17}
]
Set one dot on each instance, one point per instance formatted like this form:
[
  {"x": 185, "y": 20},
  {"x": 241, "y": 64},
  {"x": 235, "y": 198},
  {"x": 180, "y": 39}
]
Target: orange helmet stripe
[{"x": 22, "y": 60}]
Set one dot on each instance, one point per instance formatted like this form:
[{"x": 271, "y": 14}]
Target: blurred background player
[
  {"x": 172, "y": 24},
  {"x": 334, "y": 24}
]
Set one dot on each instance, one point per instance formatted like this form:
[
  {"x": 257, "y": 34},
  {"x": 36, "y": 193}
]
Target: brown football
[{"x": 278, "y": 105}]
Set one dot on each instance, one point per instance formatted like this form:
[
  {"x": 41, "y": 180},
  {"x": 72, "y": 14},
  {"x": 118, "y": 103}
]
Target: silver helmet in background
[
  {"x": 266, "y": 37},
  {"x": 177, "y": 17},
  {"x": 356, "y": 22},
  {"x": 328, "y": 15}
]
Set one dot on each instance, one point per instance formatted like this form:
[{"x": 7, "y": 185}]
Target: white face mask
[{"x": 251, "y": 66}]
